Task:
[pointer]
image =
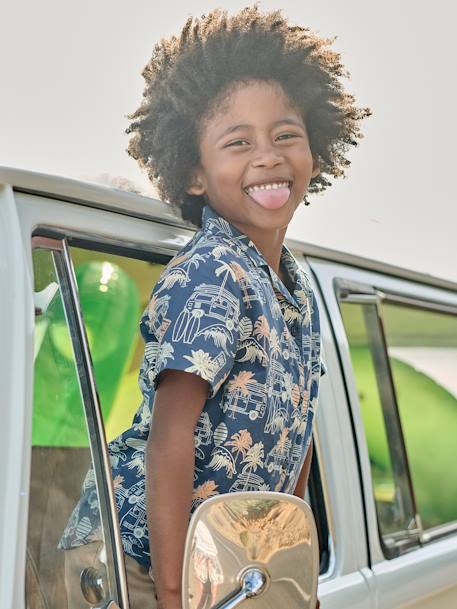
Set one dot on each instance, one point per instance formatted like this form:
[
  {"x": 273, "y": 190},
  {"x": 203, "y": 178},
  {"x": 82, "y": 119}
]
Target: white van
[{"x": 77, "y": 264}]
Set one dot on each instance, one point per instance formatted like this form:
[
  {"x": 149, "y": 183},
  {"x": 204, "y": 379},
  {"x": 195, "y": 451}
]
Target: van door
[
  {"x": 348, "y": 581},
  {"x": 88, "y": 283},
  {"x": 395, "y": 350}
]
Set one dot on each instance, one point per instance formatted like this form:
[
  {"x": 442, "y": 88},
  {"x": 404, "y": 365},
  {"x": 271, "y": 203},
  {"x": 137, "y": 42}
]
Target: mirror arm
[{"x": 253, "y": 582}]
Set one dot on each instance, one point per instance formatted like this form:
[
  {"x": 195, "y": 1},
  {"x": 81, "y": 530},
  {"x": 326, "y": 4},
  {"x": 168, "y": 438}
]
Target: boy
[{"x": 241, "y": 117}]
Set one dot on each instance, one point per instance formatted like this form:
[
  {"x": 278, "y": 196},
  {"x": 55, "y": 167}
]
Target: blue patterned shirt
[{"x": 219, "y": 311}]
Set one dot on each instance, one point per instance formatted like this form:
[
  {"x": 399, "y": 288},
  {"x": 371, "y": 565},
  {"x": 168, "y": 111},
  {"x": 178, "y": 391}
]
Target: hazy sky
[{"x": 70, "y": 72}]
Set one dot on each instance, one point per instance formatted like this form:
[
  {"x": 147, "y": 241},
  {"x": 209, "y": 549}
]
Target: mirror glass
[{"x": 235, "y": 534}]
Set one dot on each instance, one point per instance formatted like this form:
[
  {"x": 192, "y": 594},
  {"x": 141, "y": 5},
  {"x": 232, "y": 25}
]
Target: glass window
[
  {"x": 422, "y": 348},
  {"x": 114, "y": 291},
  {"x": 60, "y": 460},
  {"x": 394, "y": 504},
  {"x": 404, "y": 360}
]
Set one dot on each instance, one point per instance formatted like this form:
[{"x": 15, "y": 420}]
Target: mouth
[
  {"x": 270, "y": 195},
  {"x": 272, "y": 185}
]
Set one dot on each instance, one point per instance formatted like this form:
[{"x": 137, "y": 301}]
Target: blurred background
[{"x": 72, "y": 71}]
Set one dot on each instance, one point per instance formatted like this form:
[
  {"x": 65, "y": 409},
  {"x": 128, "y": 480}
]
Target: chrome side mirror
[{"x": 248, "y": 545}]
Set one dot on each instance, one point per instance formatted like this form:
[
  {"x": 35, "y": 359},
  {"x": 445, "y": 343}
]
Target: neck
[{"x": 269, "y": 243}]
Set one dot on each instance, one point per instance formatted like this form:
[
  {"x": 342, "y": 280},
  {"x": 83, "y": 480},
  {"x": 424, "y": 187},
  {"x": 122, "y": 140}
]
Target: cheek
[
  {"x": 226, "y": 174},
  {"x": 304, "y": 159}
]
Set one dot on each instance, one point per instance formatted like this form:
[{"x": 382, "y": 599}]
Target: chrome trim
[
  {"x": 253, "y": 583},
  {"x": 97, "y": 433},
  {"x": 89, "y": 238},
  {"x": 438, "y": 532},
  {"x": 70, "y": 302},
  {"x": 47, "y": 243},
  {"x": 417, "y": 303},
  {"x": 394, "y": 430},
  {"x": 358, "y": 298}
]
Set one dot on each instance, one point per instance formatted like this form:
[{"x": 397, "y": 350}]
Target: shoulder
[
  {"x": 203, "y": 280},
  {"x": 206, "y": 258}
]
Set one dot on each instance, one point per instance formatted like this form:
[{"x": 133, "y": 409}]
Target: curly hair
[{"x": 188, "y": 76}]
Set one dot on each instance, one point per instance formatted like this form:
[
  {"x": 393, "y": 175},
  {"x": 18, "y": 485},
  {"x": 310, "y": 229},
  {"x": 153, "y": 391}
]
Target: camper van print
[
  {"x": 216, "y": 306},
  {"x": 248, "y": 400}
]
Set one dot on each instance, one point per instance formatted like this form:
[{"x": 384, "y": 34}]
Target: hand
[{"x": 171, "y": 602}]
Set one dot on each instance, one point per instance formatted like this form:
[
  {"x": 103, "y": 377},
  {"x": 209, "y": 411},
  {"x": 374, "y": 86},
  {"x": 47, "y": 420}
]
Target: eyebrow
[{"x": 282, "y": 121}]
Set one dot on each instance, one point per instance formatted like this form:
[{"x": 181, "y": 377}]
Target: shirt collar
[{"x": 213, "y": 222}]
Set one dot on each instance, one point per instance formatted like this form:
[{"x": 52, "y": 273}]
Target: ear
[
  {"x": 316, "y": 166},
  {"x": 196, "y": 186}
]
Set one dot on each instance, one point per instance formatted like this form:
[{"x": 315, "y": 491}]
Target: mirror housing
[{"x": 251, "y": 544}]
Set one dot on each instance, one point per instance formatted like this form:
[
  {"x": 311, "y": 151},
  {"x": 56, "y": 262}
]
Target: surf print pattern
[{"x": 219, "y": 311}]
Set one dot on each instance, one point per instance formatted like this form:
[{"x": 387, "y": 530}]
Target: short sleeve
[
  {"x": 191, "y": 322},
  {"x": 323, "y": 368}
]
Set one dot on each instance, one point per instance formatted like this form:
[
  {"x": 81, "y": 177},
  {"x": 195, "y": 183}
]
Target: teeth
[{"x": 270, "y": 186}]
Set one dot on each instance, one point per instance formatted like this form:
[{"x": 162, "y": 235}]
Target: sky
[{"x": 71, "y": 72}]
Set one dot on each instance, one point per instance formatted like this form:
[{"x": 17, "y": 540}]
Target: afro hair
[{"x": 188, "y": 75}]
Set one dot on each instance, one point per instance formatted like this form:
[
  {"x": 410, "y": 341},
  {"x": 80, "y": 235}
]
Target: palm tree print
[
  {"x": 253, "y": 351},
  {"x": 204, "y": 491},
  {"x": 218, "y": 334},
  {"x": 262, "y": 330},
  {"x": 275, "y": 346},
  {"x": 253, "y": 459},
  {"x": 219, "y": 250},
  {"x": 241, "y": 442},
  {"x": 245, "y": 328},
  {"x": 222, "y": 458},
  {"x": 176, "y": 275},
  {"x": 202, "y": 364},
  {"x": 227, "y": 269},
  {"x": 237, "y": 388},
  {"x": 239, "y": 382},
  {"x": 241, "y": 276},
  {"x": 283, "y": 441}
]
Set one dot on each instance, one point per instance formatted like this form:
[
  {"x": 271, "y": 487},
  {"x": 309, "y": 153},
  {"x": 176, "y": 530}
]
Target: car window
[
  {"x": 114, "y": 289},
  {"x": 422, "y": 348},
  {"x": 62, "y": 454},
  {"x": 403, "y": 358}
]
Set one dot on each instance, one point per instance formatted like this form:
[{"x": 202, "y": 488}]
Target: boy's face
[{"x": 256, "y": 137}]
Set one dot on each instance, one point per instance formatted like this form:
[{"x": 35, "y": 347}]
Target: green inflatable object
[{"x": 110, "y": 304}]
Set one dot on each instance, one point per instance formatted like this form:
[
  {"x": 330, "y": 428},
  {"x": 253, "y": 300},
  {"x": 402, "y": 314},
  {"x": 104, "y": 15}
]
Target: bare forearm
[
  {"x": 170, "y": 467},
  {"x": 170, "y": 461},
  {"x": 302, "y": 482}
]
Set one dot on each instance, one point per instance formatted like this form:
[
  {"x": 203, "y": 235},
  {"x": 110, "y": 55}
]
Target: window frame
[
  {"x": 90, "y": 403},
  {"x": 360, "y": 294}
]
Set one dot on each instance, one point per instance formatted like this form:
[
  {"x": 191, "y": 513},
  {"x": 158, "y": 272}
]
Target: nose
[{"x": 266, "y": 155}]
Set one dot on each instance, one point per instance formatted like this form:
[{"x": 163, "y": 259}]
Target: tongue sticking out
[{"x": 271, "y": 199}]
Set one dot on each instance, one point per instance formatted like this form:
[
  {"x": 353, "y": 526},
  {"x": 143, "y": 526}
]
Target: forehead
[{"x": 248, "y": 101}]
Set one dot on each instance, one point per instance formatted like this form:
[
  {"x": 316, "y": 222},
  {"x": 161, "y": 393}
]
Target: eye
[
  {"x": 287, "y": 135},
  {"x": 235, "y": 142}
]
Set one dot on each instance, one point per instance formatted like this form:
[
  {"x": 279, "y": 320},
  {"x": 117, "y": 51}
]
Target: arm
[
  {"x": 302, "y": 482},
  {"x": 170, "y": 459}
]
